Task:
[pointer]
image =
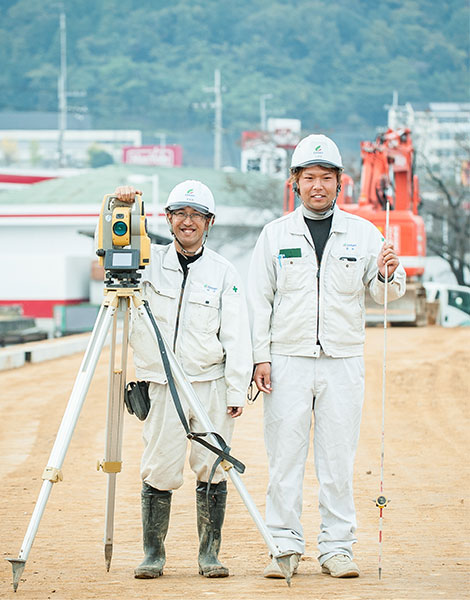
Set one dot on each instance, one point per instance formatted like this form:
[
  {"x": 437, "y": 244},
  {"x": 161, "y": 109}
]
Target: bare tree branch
[{"x": 449, "y": 214}]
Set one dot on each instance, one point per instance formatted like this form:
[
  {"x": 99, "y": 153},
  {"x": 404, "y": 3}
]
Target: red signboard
[
  {"x": 161, "y": 156},
  {"x": 251, "y": 139}
]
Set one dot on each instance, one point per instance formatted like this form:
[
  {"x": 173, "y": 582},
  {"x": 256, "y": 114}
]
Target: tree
[
  {"x": 98, "y": 157},
  {"x": 342, "y": 76},
  {"x": 263, "y": 192},
  {"x": 34, "y": 153},
  {"x": 449, "y": 211},
  {"x": 9, "y": 150}
]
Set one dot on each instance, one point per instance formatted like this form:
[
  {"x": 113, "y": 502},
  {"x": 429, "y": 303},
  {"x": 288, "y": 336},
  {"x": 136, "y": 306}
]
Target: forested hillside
[{"x": 145, "y": 63}]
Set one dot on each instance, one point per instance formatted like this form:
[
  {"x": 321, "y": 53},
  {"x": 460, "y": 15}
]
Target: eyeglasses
[{"x": 180, "y": 215}]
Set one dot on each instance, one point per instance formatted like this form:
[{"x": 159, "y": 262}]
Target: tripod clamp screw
[
  {"x": 109, "y": 466},
  {"x": 52, "y": 474}
]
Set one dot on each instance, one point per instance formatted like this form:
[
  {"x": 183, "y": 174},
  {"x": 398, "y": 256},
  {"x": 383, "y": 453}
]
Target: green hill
[{"x": 144, "y": 64}]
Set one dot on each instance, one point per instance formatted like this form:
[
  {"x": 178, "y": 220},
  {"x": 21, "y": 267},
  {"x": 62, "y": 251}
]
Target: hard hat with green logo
[
  {"x": 191, "y": 193},
  {"x": 316, "y": 149}
]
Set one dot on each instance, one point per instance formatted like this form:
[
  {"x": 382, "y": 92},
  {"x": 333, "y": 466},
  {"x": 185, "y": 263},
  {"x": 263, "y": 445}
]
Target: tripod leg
[
  {"x": 52, "y": 472},
  {"x": 201, "y": 413},
  {"x": 111, "y": 465}
]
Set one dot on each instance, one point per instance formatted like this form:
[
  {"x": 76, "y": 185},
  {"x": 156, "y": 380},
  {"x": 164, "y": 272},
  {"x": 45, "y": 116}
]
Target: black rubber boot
[
  {"x": 155, "y": 519},
  {"x": 210, "y": 518}
]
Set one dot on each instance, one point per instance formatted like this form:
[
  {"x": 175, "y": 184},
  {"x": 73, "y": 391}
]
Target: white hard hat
[
  {"x": 316, "y": 149},
  {"x": 191, "y": 193}
]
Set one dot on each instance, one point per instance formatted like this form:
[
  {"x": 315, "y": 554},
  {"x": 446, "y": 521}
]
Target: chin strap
[
  {"x": 188, "y": 252},
  {"x": 180, "y": 245}
]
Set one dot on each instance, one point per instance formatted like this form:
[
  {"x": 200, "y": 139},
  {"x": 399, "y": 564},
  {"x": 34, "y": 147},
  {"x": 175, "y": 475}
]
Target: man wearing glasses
[{"x": 195, "y": 296}]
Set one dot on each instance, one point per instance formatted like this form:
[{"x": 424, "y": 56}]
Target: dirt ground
[{"x": 426, "y": 524}]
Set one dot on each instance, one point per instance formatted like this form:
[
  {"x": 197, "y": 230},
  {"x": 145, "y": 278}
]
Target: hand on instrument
[
  {"x": 262, "y": 377},
  {"x": 387, "y": 257},
  {"x": 234, "y": 411},
  {"x": 126, "y": 193}
]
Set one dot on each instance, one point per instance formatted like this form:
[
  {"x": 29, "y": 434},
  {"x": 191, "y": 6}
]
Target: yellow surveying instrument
[
  {"x": 123, "y": 249},
  {"x": 123, "y": 243}
]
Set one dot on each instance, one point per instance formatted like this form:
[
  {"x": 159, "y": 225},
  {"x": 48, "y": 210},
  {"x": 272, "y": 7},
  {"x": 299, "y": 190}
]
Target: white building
[
  {"x": 44, "y": 144},
  {"x": 439, "y": 129},
  {"x": 267, "y": 151},
  {"x": 265, "y": 158}
]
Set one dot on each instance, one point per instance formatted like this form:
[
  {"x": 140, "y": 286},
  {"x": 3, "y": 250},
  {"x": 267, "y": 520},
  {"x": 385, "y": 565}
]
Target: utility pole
[
  {"x": 62, "y": 86},
  {"x": 162, "y": 137},
  {"x": 262, "y": 109},
  {"x": 217, "y": 105},
  {"x": 217, "y": 122}
]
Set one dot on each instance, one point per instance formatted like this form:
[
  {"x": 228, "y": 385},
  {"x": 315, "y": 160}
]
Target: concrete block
[
  {"x": 56, "y": 348},
  {"x": 11, "y": 358},
  {"x": 35, "y": 352}
]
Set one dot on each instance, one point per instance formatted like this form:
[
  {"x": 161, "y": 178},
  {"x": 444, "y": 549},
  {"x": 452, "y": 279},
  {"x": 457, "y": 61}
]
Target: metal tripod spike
[
  {"x": 119, "y": 298},
  {"x": 112, "y": 463},
  {"x": 52, "y": 473},
  {"x": 18, "y": 565}
]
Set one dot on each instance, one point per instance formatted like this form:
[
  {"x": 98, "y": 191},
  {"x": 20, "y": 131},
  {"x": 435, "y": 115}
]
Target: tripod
[{"x": 122, "y": 290}]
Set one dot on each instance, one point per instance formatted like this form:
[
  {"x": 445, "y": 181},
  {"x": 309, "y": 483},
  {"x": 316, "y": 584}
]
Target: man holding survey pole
[{"x": 306, "y": 285}]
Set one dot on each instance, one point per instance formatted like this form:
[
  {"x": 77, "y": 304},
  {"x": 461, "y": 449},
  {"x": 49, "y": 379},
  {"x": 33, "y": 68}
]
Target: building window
[{"x": 253, "y": 164}]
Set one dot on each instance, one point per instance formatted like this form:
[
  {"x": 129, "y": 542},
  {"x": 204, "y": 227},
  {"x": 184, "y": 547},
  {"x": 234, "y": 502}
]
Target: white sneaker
[
  {"x": 340, "y": 565},
  {"x": 272, "y": 571}
]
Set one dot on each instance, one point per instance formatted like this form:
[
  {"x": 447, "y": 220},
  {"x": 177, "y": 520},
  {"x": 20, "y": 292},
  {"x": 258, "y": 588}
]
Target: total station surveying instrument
[{"x": 123, "y": 249}]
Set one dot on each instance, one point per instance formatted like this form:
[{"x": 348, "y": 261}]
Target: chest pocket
[
  {"x": 295, "y": 273},
  {"x": 161, "y": 301},
  {"x": 345, "y": 275},
  {"x": 203, "y": 311}
]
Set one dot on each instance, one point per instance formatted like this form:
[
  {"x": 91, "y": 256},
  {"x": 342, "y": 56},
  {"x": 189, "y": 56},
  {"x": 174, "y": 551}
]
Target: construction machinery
[{"x": 387, "y": 173}]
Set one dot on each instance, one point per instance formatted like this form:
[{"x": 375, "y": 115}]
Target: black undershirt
[
  {"x": 187, "y": 260},
  {"x": 319, "y": 230}
]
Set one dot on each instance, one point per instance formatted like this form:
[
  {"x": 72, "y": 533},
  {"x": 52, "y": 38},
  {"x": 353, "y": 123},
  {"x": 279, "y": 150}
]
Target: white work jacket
[
  {"x": 204, "y": 319},
  {"x": 295, "y": 307}
]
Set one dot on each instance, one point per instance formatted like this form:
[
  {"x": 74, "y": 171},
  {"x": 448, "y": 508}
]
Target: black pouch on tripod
[{"x": 136, "y": 399}]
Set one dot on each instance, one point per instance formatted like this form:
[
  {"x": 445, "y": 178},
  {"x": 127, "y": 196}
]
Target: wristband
[{"x": 382, "y": 278}]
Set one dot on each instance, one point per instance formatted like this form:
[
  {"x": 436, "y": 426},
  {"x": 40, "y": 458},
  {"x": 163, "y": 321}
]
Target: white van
[{"x": 453, "y": 303}]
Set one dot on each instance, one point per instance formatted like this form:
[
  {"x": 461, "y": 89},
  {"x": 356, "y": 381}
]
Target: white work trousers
[
  {"x": 165, "y": 438},
  {"x": 333, "y": 389}
]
